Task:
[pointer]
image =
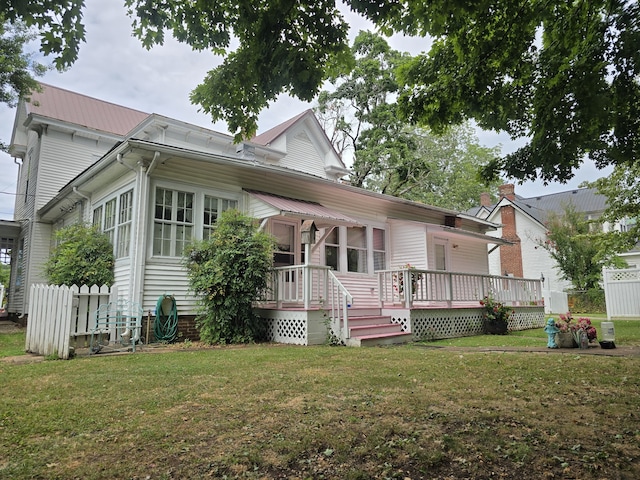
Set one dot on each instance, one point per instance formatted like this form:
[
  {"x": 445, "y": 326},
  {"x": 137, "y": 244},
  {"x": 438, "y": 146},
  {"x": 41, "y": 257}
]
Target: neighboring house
[
  {"x": 154, "y": 183},
  {"x": 523, "y": 223}
]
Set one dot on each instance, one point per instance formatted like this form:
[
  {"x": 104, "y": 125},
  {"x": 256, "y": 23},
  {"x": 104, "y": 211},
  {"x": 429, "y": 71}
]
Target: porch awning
[
  {"x": 264, "y": 205},
  {"x": 458, "y": 232},
  {"x": 9, "y": 229}
]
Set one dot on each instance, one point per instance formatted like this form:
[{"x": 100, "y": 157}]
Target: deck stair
[{"x": 367, "y": 327}]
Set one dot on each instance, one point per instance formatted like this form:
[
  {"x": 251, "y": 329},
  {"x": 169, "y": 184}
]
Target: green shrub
[
  {"x": 588, "y": 301},
  {"x": 228, "y": 272},
  {"x": 83, "y": 256}
]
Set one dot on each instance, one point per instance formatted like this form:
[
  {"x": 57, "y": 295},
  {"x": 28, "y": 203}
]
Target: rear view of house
[{"x": 351, "y": 263}]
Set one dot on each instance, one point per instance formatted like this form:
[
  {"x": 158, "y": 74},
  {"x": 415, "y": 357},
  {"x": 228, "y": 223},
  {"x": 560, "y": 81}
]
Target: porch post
[{"x": 306, "y": 278}]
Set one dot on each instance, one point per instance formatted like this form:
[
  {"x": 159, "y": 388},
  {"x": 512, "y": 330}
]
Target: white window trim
[
  {"x": 198, "y": 209},
  {"x": 116, "y": 195}
]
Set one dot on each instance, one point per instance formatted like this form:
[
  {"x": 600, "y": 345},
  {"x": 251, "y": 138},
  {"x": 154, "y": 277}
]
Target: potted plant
[
  {"x": 496, "y": 316},
  {"x": 398, "y": 279},
  {"x": 565, "y": 335},
  {"x": 571, "y": 333}
]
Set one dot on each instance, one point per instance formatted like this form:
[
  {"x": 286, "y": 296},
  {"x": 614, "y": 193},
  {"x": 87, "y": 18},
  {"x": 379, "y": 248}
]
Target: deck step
[
  {"x": 375, "y": 329},
  {"x": 381, "y": 339}
]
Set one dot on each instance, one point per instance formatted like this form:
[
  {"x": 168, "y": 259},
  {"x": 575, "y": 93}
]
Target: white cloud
[{"x": 113, "y": 66}]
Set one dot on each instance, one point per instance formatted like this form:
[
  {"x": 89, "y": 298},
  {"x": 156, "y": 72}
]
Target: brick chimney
[
  {"x": 510, "y": 255},
  {"x": 485, "y": 199},
  {"x": 507, "y": 191}
]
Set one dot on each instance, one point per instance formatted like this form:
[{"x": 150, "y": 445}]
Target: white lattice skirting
[
  {"x": 431, "y": 324},
  {"x": 299, "y": 327}
]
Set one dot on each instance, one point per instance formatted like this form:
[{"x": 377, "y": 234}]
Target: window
[
  {"x": 110, "y": 219},
  {"x": 357, "y": 249},
  {"x": 285, "y": 234},
  {"x": 124, "y": 224},
  {"x": 379, "y": 250},
  {"x": 332, "y": 249},
  {"x": 97, "y": 217},
  {"x": 114, "y": 219},
  {"x": 173, "y": 225},
  {"x": 20, "y": 266},
  {"x": 212, "y": 208},
  {"x": 440, "y": 256}
]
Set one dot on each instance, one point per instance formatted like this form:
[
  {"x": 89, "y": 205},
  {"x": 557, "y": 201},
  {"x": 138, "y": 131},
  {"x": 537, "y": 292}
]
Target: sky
[{"x": 113, "y": 66}]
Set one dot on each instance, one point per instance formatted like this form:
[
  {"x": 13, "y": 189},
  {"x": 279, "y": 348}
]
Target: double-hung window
[
  {"x": 109, "y": 226},
  {"x": 213, "y": 207},
  {"x": 124, "y": 224},
  {"x": 173, "y": 222},
  {"x": 379, "y": 249},
  {"x": 357, "y": 249},
  {"x": 114, "y": 218}
]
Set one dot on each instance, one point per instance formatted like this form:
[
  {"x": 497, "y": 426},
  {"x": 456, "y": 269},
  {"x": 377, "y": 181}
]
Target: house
[
  {"x": 154, "y": 183},
  {"x": 523, "y": 224}
]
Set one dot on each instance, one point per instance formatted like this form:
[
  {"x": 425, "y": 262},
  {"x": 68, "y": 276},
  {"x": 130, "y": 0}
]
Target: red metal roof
[
  {"x": 304, "y": 209},
  {"x": 270, "y": 135},
  {"x": 64, "y": 105}
]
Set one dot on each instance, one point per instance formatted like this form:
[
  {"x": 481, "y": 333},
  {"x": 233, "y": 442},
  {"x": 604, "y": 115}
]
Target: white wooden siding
[
  {"x": 468, "y": 256},
  {"x": 162, "y": 278},
  {"x": 407, "y": 244},
  {"x": 363, "y": 288},
  {"x": 62, "y": 158},
  {"x": 301, "y": 155},
  {"x": 122, "y": 277}
]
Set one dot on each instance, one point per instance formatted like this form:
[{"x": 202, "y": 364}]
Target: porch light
[{"x": 308, "y": 232}]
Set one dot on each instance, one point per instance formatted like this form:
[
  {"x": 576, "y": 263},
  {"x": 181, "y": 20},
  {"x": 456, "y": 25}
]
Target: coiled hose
[{"x": 165, "y": 327}]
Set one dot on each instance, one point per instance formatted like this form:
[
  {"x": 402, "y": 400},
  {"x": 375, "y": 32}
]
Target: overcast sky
[{"x": 113, "y": 66}]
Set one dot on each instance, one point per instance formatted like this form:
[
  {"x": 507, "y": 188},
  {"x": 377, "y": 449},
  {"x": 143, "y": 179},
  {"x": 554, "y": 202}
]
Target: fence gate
[
  {"x": 58, "y": 313},
  {"x": 622, "y": 292}
]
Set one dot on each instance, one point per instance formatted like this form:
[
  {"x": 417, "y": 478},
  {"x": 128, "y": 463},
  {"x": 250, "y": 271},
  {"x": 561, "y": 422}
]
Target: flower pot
[
  {"x": 566, "y": 340},
  {"x": 495, "y": 328}
]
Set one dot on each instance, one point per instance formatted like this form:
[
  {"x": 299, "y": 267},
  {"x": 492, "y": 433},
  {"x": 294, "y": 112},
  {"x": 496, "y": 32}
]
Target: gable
[{"x": 306, "y": 147}]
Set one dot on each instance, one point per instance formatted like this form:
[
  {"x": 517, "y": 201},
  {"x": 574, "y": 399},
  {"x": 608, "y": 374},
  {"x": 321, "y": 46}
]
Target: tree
[
  {"x": 576, "y": 249},
  {"x": 565, "y": 76},
  {"x": 389, "y": 155},
  {"x": 17, "y": 69},
  {"x": 229, "y": 271},
  {"x": 622, "y": 189},
  {"x": 562, "y": 74},
  {"x": 83, "y": 256},
  {"x": 58, "y": 23}
]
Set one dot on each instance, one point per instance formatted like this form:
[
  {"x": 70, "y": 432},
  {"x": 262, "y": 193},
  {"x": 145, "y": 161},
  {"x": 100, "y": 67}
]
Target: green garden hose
[{"x": 165, "y": 327}]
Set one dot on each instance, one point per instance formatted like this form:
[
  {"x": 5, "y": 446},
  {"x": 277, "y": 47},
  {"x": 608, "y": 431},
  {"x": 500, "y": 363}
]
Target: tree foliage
[
  {"x": 572, "y": 241},
  {"x": 389, "y": 155},
  {"x": 563, "y": 76},
  {"x": 58, "y": 24},
  {"x": 622, "y": 189},
  {"x": 229, "y": 271},
  {"x": 83, "y": 256}
]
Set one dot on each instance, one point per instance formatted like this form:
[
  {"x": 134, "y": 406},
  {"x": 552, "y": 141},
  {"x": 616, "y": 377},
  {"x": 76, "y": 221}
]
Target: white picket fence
[
  {"x": 622, "y": 292},
  {"x": 59, "y": 313}
]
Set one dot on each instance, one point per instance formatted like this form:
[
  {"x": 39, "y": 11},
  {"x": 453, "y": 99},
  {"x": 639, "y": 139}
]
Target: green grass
[
  {"x": 12, "y": 344},
  {"x": 272, "y": 411}
]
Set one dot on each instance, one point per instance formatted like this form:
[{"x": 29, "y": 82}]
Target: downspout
[
  {"x": 83, "y": 196},
  {"x": 138, "y": 264}
]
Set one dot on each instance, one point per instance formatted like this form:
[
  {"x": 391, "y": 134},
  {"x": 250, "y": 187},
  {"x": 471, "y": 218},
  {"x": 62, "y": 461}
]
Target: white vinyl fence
[
  {"x": 622, "y": 292},
  {"x": 59, "y": 313}
]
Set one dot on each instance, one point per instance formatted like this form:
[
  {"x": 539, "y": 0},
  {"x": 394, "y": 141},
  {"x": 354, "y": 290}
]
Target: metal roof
[
  {"x": 304, "y": 209},
  {"x": 64, "y": 105}
]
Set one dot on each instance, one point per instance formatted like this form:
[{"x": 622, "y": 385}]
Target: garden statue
[{"x": 551, "y": 331}]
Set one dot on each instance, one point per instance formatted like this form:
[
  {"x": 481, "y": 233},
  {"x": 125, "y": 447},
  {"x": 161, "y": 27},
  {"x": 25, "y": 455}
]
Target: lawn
[{"x": 273, "y": 411}]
